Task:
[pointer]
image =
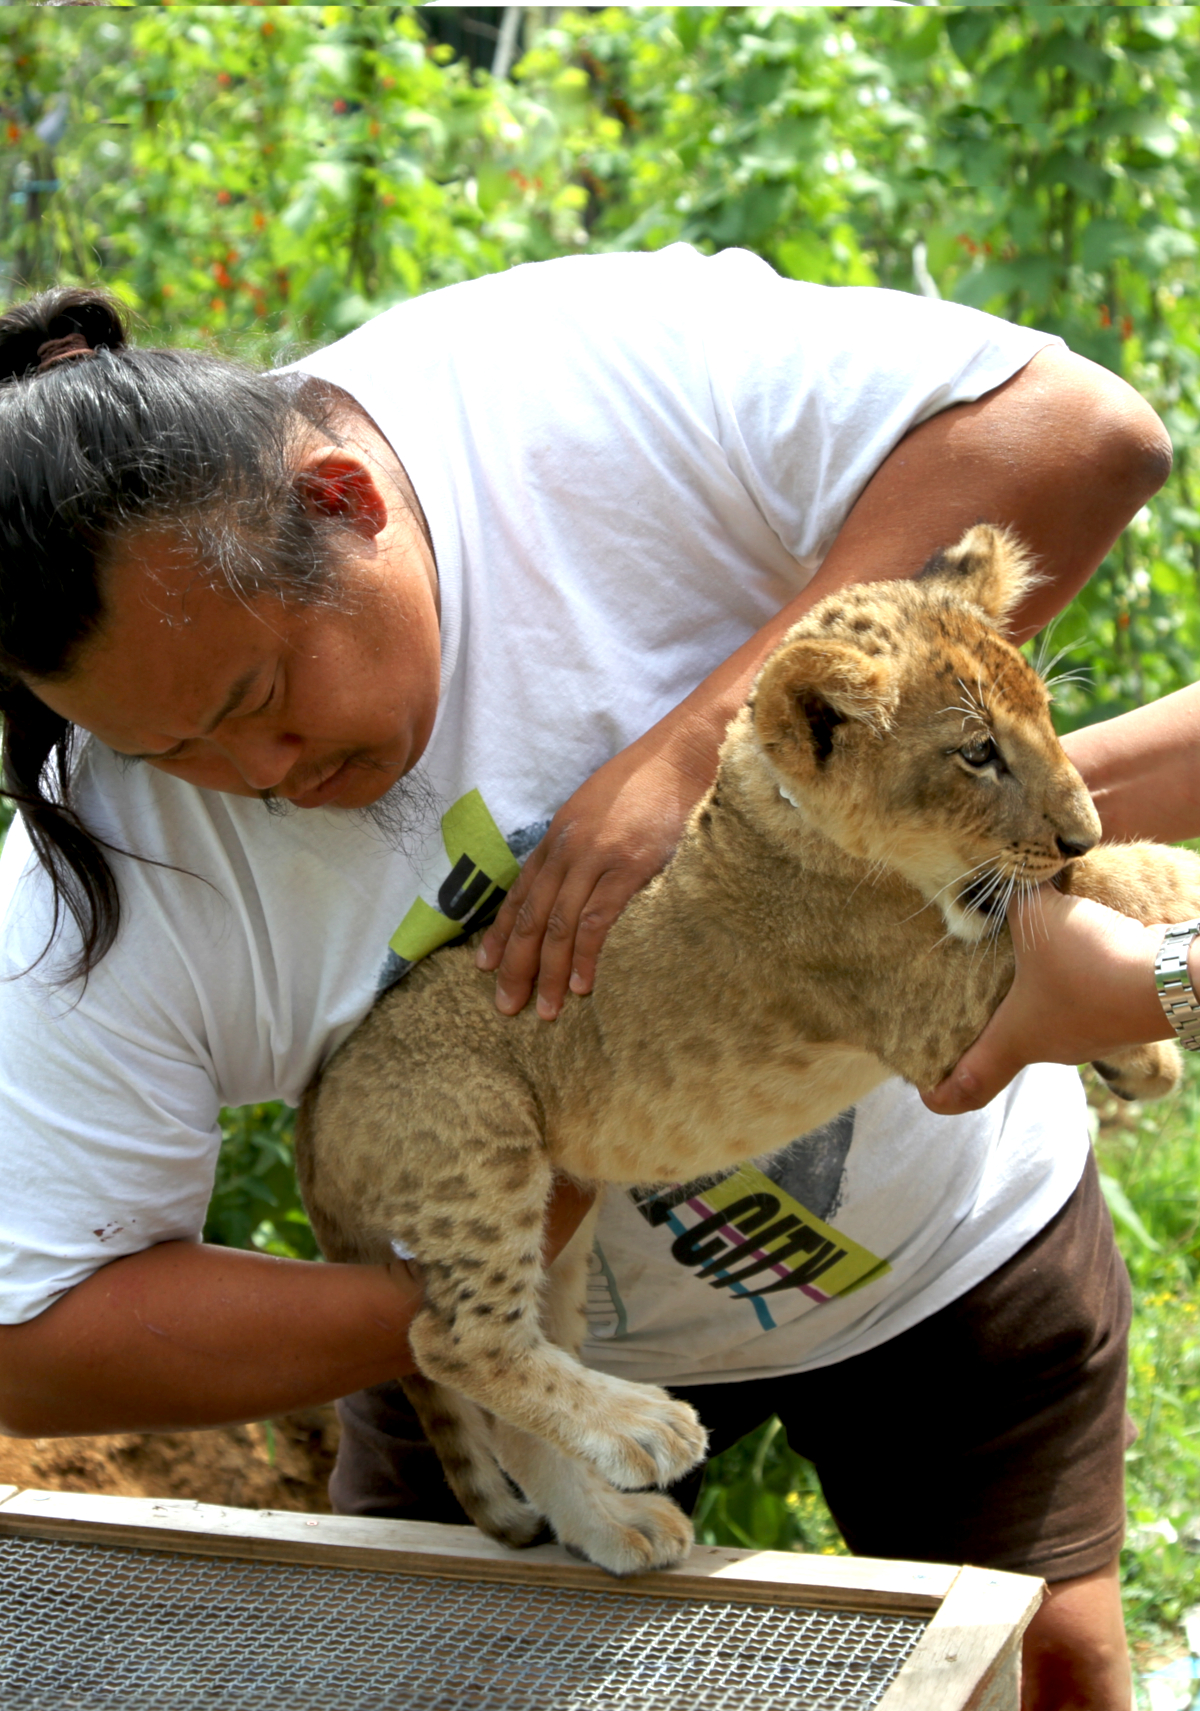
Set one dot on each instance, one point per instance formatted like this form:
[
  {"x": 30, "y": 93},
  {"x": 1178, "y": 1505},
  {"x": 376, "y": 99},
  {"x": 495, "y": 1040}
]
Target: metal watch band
[{"x": 1175, "y": 994}]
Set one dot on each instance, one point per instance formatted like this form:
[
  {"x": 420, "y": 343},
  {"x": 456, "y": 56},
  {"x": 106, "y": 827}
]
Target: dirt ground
[{"x": 280, "y": 1464}]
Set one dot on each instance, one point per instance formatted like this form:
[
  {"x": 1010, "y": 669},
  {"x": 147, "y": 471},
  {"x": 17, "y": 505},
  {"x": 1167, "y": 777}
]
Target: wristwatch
[{"x": 1175, "y": 993}]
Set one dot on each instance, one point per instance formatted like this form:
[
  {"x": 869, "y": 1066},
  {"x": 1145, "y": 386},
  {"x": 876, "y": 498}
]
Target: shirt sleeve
[
  {"x": 813, "y": 386},
  {"x": 110, "y": 1131}
]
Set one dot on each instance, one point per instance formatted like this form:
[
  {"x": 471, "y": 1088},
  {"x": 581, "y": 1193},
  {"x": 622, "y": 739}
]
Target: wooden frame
[{"x": 967, "y": 1660}]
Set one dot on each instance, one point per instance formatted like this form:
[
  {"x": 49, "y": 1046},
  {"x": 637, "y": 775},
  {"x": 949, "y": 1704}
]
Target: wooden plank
[
  {"x": 423, "y": 1547},
  {"x": 969, "y": 1658}
]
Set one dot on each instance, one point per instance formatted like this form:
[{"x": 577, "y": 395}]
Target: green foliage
[
  {"x": 255, "y": 1203},
  {"x": 267, "y": 176},
  {"x": 758, "y": 1495},
  {"x": 1151, "y": 1159}
]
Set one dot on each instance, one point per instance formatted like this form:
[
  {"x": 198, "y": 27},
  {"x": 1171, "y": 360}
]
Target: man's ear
[
  {"x": 335, "y": 482},
  {"x": 810, "y": 688},
  {"x": 988, "y": 566}
]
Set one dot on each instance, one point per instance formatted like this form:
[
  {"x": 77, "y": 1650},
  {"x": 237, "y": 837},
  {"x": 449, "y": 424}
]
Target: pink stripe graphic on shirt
[{"x": 736, "y": 1239}]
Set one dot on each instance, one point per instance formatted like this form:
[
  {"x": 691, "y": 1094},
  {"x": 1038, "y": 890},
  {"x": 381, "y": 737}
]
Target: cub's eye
[{"x": 982, "y": 751}]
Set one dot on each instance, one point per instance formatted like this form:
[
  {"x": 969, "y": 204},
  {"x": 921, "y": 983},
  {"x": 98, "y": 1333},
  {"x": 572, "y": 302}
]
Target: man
[{"x": 562, "y": 557}]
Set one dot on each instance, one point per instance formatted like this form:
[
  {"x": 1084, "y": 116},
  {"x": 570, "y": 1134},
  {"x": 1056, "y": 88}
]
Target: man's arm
[
  {"x": 1143, "y": 769},
  {"x": 182, "y": 1335},
  {"x": 1064, "y": 452}
]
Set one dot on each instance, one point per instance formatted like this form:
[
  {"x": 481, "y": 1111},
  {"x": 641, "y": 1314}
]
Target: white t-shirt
[{"x": 628, "y": 464}]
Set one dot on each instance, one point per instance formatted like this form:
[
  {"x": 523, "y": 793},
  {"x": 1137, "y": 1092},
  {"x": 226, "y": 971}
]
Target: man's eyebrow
[{"x": 233, "y": 701}]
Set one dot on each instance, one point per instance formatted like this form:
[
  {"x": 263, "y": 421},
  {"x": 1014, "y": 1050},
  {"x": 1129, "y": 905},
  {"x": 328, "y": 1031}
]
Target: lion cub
[{"x": 893, "y": 778}]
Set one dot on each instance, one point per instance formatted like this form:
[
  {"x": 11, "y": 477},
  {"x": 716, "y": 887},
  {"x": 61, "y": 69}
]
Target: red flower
[{"x": 223, "y": 197}]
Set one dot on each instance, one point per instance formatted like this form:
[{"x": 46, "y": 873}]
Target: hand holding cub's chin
[{"x": 1084, "y": 987}]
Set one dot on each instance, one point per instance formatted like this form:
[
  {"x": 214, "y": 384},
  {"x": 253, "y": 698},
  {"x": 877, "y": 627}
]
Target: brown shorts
[{"x": 991, "y": 1433}]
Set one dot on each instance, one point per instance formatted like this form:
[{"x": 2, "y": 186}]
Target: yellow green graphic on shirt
[
  {"x": 482, "y": 870},
  {"x": 748, "y": 1235}
]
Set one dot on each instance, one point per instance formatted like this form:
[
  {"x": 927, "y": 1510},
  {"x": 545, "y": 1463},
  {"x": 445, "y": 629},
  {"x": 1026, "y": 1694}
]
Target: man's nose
[{"x": 262, "y": 758}]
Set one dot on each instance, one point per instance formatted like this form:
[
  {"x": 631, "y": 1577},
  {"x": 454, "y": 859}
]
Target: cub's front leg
[
  {"x": 451, "y": 1162},
  {"x": 624, "y": 1532},
  {"x": 480, "y": 1332},
  {"x": 1150, "y": 883}
]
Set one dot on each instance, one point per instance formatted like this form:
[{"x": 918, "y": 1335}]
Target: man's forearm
[
  {"x": 184, "y": 1335},
  {"x": 1143, "y": 769}
]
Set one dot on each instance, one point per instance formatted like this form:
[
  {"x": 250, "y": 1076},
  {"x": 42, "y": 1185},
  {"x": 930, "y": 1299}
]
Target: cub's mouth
[
  {"x": 990, "y": 893},
  {"x": 987, "y": 896}
]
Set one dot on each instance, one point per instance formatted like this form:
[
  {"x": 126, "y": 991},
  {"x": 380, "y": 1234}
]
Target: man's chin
[{"x": 357, "y": 783}]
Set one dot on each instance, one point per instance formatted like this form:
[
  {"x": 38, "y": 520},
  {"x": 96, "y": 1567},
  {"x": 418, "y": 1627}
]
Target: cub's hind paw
[
  {"x": 514, "y": 1523},
  {"x": 630, "y": 1533},
  {"x": 646, "y": 1439},
  {"x": 1142, "y": 1072}
]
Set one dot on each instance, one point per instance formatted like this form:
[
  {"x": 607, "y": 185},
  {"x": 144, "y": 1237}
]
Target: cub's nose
[{"x": 1074, "y": 847}]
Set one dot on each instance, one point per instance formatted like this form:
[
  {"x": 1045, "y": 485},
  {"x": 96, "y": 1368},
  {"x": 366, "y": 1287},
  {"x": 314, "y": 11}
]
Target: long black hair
[{"x": 97, "y": 438}]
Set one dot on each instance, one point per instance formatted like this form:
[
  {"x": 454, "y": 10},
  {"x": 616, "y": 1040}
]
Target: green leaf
[
  {"x": 1086, "y": 59},
  {"x": 335, "y": 58},
  {"x": 1104, "y": 240},
  {"x": 1124, "y": 1215},
  {"x": 1064, "y": 166},
  {"x": 969, "y": 31},
  {"x": 336, "y": 176},
  {"x": 1165, "y": 244},
  {"x": 804, "y": 256}
]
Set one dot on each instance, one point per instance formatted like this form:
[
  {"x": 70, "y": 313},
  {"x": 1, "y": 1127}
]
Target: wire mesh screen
[{"x": 92, "y": 1628}]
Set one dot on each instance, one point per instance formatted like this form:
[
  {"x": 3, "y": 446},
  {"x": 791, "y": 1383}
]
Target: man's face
[{"x": 316, "y": 705}]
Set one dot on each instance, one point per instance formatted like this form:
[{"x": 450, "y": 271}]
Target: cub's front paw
[
  {"x": 646, "y": 1438},
  {"x": 1142, "y": 1072},
  {"x": 630, "y": 1533}
]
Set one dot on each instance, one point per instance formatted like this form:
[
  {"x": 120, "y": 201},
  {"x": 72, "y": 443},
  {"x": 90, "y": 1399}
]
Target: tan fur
[{"x": 833, "y": 915}]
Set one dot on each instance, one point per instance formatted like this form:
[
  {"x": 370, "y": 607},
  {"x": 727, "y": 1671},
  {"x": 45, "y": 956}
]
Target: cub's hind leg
[
  {"x": 461, "y": 1433},
  {"x": 625, "y": 1532},
  {"x": 1142, "y": 1072}
]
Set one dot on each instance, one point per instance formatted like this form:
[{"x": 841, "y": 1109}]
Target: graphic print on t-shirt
[
  {"x": 750, "y": 1234},
  {"x": 481, "y": 870}
]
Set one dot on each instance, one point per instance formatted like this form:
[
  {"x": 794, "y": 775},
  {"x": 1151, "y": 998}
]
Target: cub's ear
[
  {"x": 988, "y": 566},
  {"x": 806, "y": 690}
]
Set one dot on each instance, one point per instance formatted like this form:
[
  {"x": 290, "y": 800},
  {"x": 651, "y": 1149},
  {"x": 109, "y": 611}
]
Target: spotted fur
[{"x": 834, "y": 914}]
